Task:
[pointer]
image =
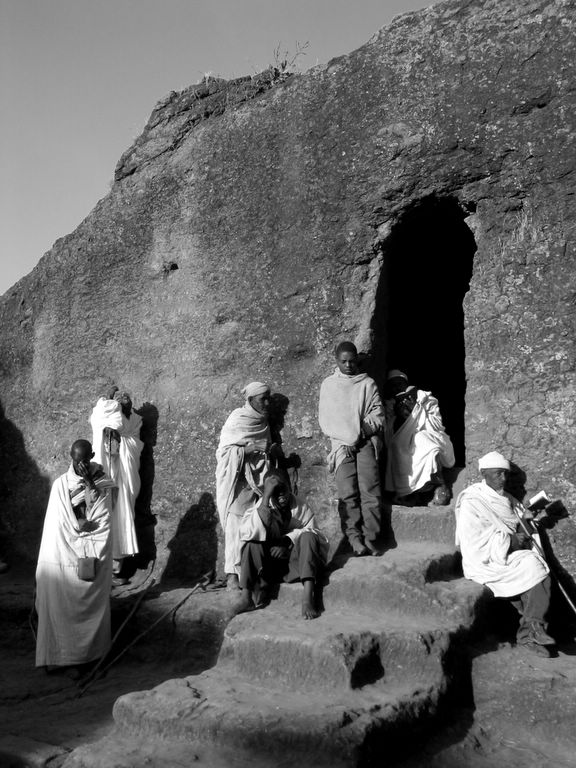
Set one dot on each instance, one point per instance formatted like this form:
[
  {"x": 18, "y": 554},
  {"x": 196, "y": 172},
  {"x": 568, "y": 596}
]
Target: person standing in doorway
[{"x": 351, "y": 415}]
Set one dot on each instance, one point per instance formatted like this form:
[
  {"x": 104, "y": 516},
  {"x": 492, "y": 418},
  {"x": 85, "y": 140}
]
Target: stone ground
[
  {"x": 521, "y": 713},
  {"x": 42, "y": 717}
]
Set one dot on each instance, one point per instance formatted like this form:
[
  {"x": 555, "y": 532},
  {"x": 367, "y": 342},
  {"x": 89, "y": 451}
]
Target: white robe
[
  {"x": 484, "y": 522},
  {"x": 124, "y": 531},
  {"x": 244, "y": 425},
  {"x": 73, "y": 615},
  {"x": 106, "y": 413},
  {"x": 349, "y": 406},
  {"x": 253, "y": 529},
  {"x": 418, "y": 449},
  {"x": 123, "y": 469}
]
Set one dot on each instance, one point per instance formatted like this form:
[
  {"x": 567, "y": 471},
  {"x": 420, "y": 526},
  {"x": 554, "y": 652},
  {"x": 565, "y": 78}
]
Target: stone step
[
  {"x": 342, "y": 650},
  {"x": 397, "y": 581},
  {"x": 218, "y": 708},
  {"x": 453, "y": 602},
  {"x": 424, "y": 523}
]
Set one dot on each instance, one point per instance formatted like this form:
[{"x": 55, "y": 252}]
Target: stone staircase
[{"x": 359, "y": 686}]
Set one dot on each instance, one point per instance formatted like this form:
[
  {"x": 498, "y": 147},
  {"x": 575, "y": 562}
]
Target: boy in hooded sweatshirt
[{"x": 351, "y": 415}]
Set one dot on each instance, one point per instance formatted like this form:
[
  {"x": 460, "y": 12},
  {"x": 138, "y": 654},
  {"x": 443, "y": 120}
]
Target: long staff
[
  {"x": 87, "y": 680},
  {"x": 540, "y": 551},
  {"x": 202, "y": 584}
]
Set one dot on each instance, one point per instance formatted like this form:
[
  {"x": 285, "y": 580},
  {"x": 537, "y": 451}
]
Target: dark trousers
[
  {"x": 358, "y": 484},
  {"x": 303, "y": 561},
  {"x": 533, "y": 605}
]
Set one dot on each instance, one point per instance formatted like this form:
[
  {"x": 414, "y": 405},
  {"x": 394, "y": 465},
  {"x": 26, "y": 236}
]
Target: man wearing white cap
[
  {"x": 242, "y": 462},
  {"x": 495, "y": 554},
  {"x": 417, "y": 444}
]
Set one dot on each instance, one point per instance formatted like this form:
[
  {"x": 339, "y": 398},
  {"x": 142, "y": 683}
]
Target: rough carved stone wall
[{"x": 243, "y": 240}]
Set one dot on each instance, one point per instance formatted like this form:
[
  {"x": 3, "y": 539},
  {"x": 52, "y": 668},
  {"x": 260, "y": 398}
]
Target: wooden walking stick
[
  {"x": 540, "y": 551},
  {"x": 202, "y": 584},
  {"x": 88, "y": 679}
]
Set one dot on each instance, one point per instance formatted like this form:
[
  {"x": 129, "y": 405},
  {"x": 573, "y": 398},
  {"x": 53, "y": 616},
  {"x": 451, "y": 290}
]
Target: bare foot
[
  {"x": 372, "y": 549},
  {"x": 245, "y": 603},
  {"x": 232, "y": 582},
  {"x": 309, "y": 610},
  {"x": 260, "y": 596}
]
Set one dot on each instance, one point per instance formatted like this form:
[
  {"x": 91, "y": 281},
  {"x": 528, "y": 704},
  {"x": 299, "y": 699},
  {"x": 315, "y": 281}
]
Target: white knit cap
[
  {"x": 396, "y": 374},
  {"x": 493, "y": 460},
  {"x": 255, "y": 388}
]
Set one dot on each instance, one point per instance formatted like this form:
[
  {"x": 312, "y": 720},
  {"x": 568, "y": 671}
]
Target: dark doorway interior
[{"x": 418, "y": 321}]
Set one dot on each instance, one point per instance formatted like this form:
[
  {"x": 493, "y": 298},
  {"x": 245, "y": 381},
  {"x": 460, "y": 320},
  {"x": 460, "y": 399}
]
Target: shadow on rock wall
[
  {"x": 194, "y": 547},
  {"x": 24, "y": 492},
  {"x": 144, "y": 519}
]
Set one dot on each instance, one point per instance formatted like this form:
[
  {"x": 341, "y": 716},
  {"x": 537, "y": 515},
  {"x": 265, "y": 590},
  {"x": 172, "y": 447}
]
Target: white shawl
[
  {"x": 348, "y": 406},
  {"x": 73, "y": 615},
  {"x": 244, "y": 425},
  {"x": 484, "y": 521},
  {"x": 418, "y": 449},
  {"x": 125, "y": 541}
]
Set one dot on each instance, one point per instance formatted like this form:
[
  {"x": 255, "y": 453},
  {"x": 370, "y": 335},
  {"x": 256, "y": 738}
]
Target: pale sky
[{"x": 79, "y": 79}]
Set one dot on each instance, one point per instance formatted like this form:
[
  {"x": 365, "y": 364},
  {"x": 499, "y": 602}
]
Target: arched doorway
[{"x": 418, "y": 323}]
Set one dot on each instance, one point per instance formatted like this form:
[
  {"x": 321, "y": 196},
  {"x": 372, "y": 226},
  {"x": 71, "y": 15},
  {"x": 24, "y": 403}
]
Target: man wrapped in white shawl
[
  {"x": 242, "y": 462},
  {"x": 494, "y": 553},
  {"x": 123, "y": 466},
  {"x": 74, "y": 614},
  {"x": 417, "y": 444}
]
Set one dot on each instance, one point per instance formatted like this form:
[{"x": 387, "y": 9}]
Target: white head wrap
[
  {"x": 493, "y": 460},
  {"x": 396, "y": 374},
  {"x": 255, "y": 388}
]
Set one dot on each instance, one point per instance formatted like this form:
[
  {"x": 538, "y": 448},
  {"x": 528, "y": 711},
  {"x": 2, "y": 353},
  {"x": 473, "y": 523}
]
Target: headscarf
[{"x": 255, "y": 388}]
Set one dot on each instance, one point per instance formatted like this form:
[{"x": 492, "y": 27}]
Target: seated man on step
[
  {"x": 496, "y": 552},
  {"x": 280, "y": 544},
  {"x": 418, "y": 447}
]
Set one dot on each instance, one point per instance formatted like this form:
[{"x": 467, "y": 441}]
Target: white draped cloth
[
  {"x": 105, "y": 414},
  {"x": 123, "y": 469},
  {"x": 73, "y": 615},
  {"x": 418, "y": 449},
  {"x": 484, "y": 522},
  {"x": 302, "y": 519},
  {"x": 234, "y": 471},
  {"x": 349, "y": 408}
]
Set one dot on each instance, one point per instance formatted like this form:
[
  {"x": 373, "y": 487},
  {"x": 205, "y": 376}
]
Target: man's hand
[
  {"x": 275, "y": 452},
  {"x": 83, "y": 469},
  {"x": 87, "y": 526},
  {"x": 270, "y": 484},
  {"x": 294, "y": 461},
  {"x": 280, "y": 553},
  {"x": 518, "y": 541},
  {"x": 94, "y": 494}
]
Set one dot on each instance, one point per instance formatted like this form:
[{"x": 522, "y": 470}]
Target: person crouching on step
[{"x": 280, "y": 544}]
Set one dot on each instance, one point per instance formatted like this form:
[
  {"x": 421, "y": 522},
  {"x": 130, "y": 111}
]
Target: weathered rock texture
[{"x": 241, "y": 241}]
